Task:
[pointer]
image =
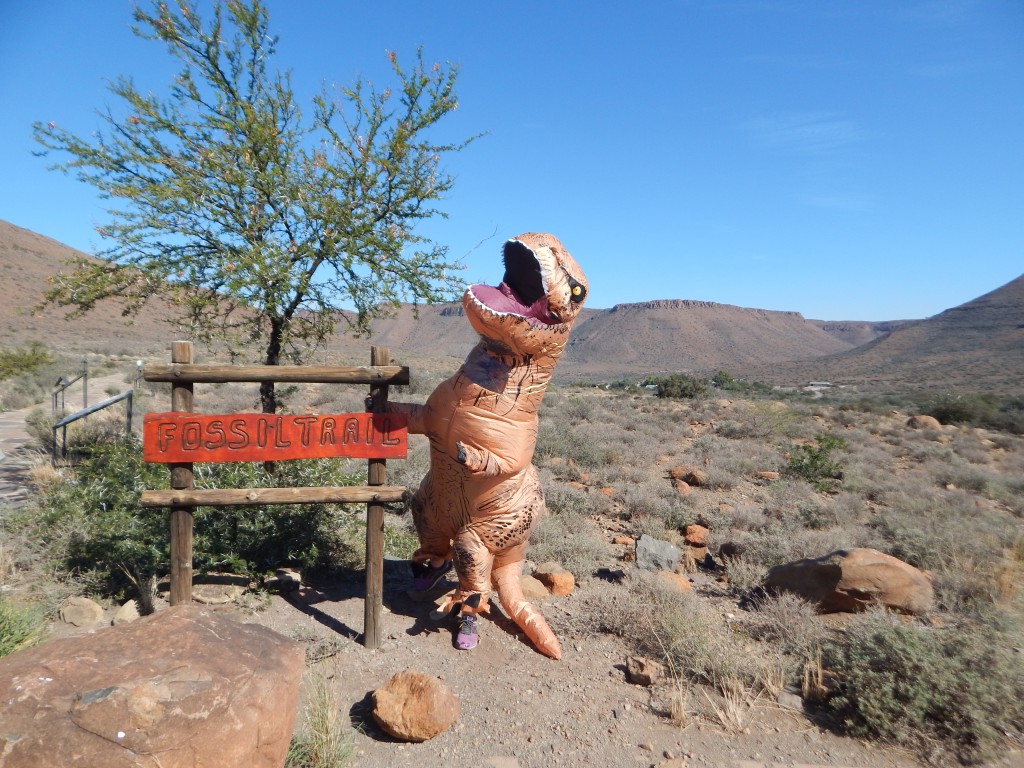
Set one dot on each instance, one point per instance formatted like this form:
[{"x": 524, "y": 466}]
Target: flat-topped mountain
[{"x": 684, "y": 335}]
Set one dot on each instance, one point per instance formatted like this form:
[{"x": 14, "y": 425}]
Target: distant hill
[
  {"x": 27, "y": 261},
  {"x": 681, "y": 335},
  {"x": 978, "y": 345},
  {"x": 856, "y": 332}
]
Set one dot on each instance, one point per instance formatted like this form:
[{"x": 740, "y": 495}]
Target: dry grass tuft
[{"x": 323, "y": 742}]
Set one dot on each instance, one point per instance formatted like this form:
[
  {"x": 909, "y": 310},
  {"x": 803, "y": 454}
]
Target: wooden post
[
  {"x": 376, "y": 474},
  {"x": 181, "y": 478}
]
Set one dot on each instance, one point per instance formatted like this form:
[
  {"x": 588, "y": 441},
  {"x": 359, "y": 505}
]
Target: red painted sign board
[{"x": 190, "y": 437}]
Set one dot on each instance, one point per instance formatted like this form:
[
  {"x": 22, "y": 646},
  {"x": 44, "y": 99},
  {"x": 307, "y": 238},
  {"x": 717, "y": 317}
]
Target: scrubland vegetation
[{"x": 850, "y": 473}]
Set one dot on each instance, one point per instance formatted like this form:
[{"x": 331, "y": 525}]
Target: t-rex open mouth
[{"x": 521, "y": 291}]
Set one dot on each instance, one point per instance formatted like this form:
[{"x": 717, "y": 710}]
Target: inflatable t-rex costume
[{"x": 481, "y": 498}]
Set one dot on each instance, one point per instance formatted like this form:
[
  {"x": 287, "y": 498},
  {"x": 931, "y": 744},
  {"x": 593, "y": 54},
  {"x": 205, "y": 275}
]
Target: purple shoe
[
  {"x": 468, "y": 636},
  {"x": 426, "y": 577}
]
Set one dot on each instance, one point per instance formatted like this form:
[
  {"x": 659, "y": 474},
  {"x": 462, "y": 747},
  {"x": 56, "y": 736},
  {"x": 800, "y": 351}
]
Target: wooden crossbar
[
  {"x": 288, "y": 374},
  {"x": 240, "y": 497}
]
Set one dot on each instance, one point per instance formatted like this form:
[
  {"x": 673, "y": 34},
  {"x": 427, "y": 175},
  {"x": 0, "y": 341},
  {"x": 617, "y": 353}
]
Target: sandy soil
[{"x": 519, "y": 708}]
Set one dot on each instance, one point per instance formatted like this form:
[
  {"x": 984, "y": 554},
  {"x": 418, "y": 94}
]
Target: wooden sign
[{"x": 190, "y": 437}]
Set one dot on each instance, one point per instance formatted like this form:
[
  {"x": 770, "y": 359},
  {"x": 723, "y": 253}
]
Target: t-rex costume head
[
  {"x": 532, "y": 310},
  {"x": 481, "y": 498}
]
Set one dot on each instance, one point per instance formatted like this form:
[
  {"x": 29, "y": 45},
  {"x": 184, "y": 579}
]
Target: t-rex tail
[{"x": 529, "y": 619}]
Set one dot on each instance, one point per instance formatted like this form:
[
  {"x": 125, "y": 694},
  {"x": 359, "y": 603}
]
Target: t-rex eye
[{"x": 577, "y": 290}]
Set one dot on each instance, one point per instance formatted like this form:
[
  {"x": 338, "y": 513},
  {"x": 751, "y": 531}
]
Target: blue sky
[{"x": 846, "y": 160}]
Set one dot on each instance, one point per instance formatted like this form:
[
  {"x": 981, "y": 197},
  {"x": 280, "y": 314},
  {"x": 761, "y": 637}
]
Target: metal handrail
[
  {"x": 63, "y": 382},
  {"x": 63, "y": 423}
]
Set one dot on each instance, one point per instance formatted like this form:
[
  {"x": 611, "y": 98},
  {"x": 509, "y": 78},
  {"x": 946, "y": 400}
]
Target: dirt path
[{"x": 17, "y": 453}]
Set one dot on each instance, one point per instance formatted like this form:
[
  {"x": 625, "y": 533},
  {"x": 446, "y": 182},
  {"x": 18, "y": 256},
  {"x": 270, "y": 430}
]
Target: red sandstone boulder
[
  {"x": 532, "y": 588},
  {"x": 556, "y": 578},
  {"x": 184, "y": 688},
  {"x": 697, "y": 478},
  {"x": 413, "y": 706},
  {"x": 852, "y": 580},
  {"x": 675, "y": 581},
  {"x": 682, "y": 487},
  {"x": 695, "y": 535},
  {"x": 643, "y": 671}
]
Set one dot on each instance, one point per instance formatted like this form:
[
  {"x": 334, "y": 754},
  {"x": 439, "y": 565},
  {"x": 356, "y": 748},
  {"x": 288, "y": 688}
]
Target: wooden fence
[{"x": 183, "y": 497}]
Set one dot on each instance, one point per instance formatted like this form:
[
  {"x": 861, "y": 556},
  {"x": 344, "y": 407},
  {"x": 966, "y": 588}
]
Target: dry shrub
[
  {"x": 704, "y": 648},
  {"x": 791, "y": 624},
  {"x": 761, "y": 420},
  {"x": 731, "y": 703},
  {"x": 741, "y": 516},
  {"x": 566, "y": 534},
  {"x": 44, "y": 475},
  {"x": 642, "y": 502},
  {"x": 744, "y": 574},
  {"x": 630, "y": 612},
  {"x": 930, "y": 527},
  {"x": 953, "y": 692}
]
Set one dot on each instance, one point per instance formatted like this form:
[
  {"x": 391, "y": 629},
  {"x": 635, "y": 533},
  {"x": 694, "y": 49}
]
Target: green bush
[
  {"x": 20, "y": 627},
  {"x": 980, "y": 410},
  {"x": 93, "y": 527},
  {"x": 680, "y": 385},
  {"x": 27, "y": 375},
  {"x": 727, "y": 382},
  {"x": 814, "y": 463},
  {"x": 723, "y": 380},
  {"x": 23, "y": 360},
  {"x": 950, "y": 691}
]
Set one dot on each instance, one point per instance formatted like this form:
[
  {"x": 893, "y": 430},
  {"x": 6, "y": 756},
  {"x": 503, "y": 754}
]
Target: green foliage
[
  {"x": 257, "y": 539},
  {"x": 981, "y": 410},
  {"x": 23, "y": 359},
  {"x": 27, "y": 375},
  {"x": 254, "y": 221},
  {"x": 727, "y": 382},
  {"x": 680, "y": 385},
  {"x": 814, "y": 463},
  {"x": 723, "y": 380},
  {"x": 94, "y": 528},
  {"x": 952, "y": 690},
  {"x": 20, "y": 627}
]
